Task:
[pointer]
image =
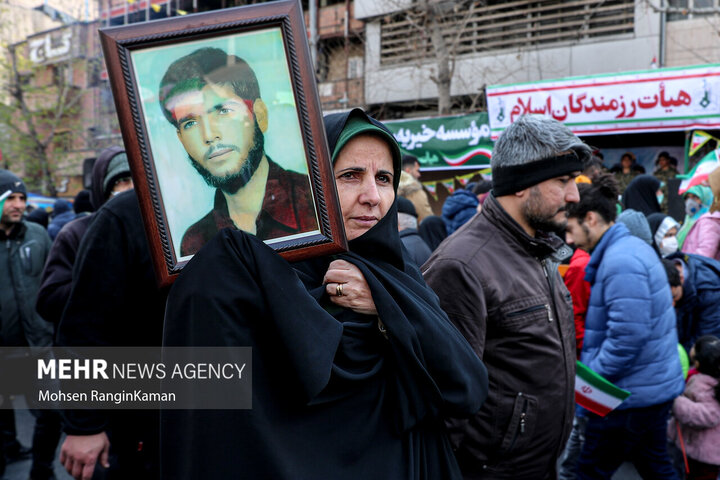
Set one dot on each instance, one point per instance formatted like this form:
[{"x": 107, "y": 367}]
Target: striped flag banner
[
  {"x": 699, "y": 174},
  {"x": 698, "y": 139},
  {"x": 595, "y": 393}
]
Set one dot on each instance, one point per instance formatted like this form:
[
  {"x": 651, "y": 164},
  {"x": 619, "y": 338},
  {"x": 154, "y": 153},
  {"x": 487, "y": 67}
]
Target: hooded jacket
[
  {"x": 62, "y": 214},
  {"x": 458, "y": 208},
  {"x": 115, "y": 301},
  {"x": 704, "y": 236},
  {"x": 698, "y": 413},
  {"x": 22, "y": 257},
  {"x": 698, "y": 311},
  {"x": 630, "y": 335},
  {"x": 502, "y": 289},
  {"x": 57, "y": 276}
]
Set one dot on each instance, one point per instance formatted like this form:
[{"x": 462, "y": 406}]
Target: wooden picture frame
[{"x": 192, "y": 136}]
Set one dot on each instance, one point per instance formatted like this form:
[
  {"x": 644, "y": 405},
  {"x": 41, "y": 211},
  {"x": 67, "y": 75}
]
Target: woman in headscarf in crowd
[
  {"x": 355, "y": 364},
  {"x": 703, "y": 237},
  {"x": 664, "y": 230},
  {"x": 697, "y": 203},
  {"x": 433, "y": 230},
  {"x": 643, "y": 194}
]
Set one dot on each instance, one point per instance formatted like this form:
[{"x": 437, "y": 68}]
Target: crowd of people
[{"x": 437, "y": 347}]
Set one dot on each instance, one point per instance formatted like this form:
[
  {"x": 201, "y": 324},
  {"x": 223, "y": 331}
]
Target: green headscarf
[{"x": 706, "y": 199}]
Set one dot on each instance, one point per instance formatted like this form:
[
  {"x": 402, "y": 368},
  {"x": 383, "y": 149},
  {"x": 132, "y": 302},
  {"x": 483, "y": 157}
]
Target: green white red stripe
[
  {"x": 699, "y": 174},
  {"x": 595, "y": 393}
]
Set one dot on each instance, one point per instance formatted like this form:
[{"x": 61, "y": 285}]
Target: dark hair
[
  {"x": 662, "y": 154},
  {"x": 672, "y": 272},
  {"x": 408, "y": 161},
  {"x": 707, "y": 354},
  {"x": 82, "y": 202},
  {"x": 481, "y": 186},
  {"x": 599, "y": 196},
  {"x": 203, "y": 66}
]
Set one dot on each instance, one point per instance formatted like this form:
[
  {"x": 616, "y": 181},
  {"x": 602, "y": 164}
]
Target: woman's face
[{"x": 364, "y": 176}]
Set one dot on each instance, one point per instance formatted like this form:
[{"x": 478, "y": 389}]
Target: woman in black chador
[{"x": 355, "y": 365}]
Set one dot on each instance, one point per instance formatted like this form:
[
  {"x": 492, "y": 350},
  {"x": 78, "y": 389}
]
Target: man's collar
[{"x": 16, "y": 230}]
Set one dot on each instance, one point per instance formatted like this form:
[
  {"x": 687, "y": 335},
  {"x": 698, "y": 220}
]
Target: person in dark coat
[
  {"x": 25, "y": 248},
  {"x": 458, "y": 208},
  {"x": 39, "y": 216},
  {"x": 358, "y": 363},
  {"x": 696, "y": 295},
  {"x": 115, "y": 301},
  {"x": 497, "y": 278},
  {"x": 108, "y": 178},
  {"x": 643, "y": 194},
  {"x": 62, "y": 214},
  {"x": 433, "y": 230},
  {"x": 82, "y": 203},
  {"x": 407, "y": 223}
]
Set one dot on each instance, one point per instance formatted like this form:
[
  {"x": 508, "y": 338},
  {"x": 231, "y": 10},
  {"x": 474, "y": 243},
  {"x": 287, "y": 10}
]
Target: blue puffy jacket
[
  {"x": 698, "y": 311},
  {"x": 458, "y": 208},
  {"x": 630, "y": 335}
]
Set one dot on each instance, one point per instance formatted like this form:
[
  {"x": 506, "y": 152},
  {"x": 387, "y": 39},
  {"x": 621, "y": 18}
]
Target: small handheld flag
[{"x": 595, "y": 393}]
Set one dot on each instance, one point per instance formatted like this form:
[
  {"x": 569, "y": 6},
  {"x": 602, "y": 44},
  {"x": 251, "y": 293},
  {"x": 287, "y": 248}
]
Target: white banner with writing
[{"x": 647, "y": 101}]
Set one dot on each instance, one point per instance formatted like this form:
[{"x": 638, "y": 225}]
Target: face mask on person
[
  {"x": 691, "y": 207},
  {"x": 660, "y": 198},
  {"x": 668, "y": 246}
]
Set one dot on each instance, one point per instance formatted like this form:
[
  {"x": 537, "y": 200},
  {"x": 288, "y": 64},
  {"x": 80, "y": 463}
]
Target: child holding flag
[{"x": 695, "y": 426}]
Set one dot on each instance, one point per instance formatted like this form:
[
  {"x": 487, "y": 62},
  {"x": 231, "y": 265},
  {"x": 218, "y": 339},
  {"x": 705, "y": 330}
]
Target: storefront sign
[
  {"x": 648, "y": 101},
  {"x": 446, "y": 142},
  {"x": 50, "y": 46}
]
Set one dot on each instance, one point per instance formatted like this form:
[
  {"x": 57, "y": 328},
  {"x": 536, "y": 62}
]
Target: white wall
[{"x": 694, "y": 41}]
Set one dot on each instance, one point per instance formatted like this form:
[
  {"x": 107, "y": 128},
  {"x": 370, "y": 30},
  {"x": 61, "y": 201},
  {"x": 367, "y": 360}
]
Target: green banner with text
[{"x": 443, "y": 143}]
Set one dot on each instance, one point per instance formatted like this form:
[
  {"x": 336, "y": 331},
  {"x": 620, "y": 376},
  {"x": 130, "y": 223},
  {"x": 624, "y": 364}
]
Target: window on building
[
  {"x": 485, "y": 26},
  {"x": 689, "y": 9}
]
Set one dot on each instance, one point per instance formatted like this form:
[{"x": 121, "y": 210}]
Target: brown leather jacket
[{"x": 501, "y": 288}]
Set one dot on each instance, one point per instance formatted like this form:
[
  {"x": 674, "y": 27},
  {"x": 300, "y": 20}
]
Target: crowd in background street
[{"x": 440, "y": 346}]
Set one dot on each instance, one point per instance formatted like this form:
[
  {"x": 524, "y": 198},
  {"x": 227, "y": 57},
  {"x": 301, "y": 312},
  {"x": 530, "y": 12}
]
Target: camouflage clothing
[
  {"x": 665, "y": 175},
  {"x": 624, "y": 179}
]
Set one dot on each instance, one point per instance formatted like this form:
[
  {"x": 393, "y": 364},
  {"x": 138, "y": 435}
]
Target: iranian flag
[
  {"x": 3, "y": 196},
  {"x": 699, "y": 174},
  {"x": 595, "y": 393}
]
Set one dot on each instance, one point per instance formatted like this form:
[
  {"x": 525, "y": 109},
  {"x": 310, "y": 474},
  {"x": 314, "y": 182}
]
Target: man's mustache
[{"x": 220, "y": 146}]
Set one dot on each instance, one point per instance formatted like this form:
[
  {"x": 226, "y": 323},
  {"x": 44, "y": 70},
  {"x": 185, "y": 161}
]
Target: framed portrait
[{"x": 222, "y": 125}]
